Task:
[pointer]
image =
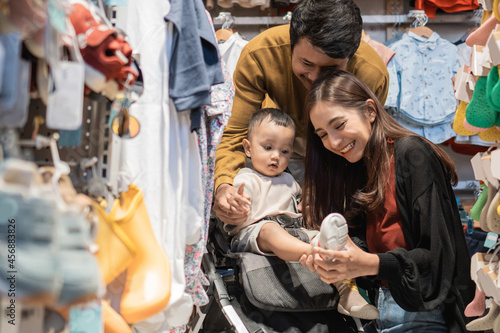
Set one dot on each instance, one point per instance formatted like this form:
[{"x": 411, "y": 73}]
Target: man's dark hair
[
  {"x": 277, "y": 116},
  {"x": 333, "y": 26}
]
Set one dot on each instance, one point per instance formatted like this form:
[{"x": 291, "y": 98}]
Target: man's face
[{"x": 309, "y": 63}]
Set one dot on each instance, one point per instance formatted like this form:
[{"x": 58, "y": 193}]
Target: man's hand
[{"x": 222, "y": 207}]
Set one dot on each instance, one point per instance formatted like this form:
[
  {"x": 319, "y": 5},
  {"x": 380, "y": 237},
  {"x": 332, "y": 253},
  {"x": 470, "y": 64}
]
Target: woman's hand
[
  {"x": 333, "y": 266},
  {"x": 222, "y": 208}
]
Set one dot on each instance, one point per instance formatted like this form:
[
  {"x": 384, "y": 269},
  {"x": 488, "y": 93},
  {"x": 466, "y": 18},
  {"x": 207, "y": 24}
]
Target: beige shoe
[
  {"x": 492, "y": 216},
  {"x": 496, "y": 325},
  {"x": 351, "y": 303},
  {"x": 483, "y": 219},
  {"x": 486, "y": 322}
]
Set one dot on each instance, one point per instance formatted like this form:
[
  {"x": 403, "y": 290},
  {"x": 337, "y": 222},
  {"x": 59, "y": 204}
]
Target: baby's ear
[{"x": 246, "y": 147}]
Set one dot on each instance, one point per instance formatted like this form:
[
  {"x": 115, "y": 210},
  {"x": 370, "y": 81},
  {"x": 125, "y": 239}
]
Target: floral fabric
[{"x": 214, "y": 120}]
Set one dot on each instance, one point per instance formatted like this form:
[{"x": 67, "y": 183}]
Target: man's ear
[{"x": 246, "y": 147}]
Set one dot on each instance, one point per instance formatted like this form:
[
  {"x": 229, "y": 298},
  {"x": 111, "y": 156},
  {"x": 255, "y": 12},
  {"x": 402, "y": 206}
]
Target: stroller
[{"x": 254, "y": 293}]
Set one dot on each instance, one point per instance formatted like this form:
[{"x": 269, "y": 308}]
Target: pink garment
[{"x": 385, "y": 53}]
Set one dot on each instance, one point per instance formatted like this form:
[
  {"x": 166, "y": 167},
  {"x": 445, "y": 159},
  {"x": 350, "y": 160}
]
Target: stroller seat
[{"x": 255, "y": 293}]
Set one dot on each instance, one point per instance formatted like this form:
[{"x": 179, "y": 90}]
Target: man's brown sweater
[{"x": 265, "y": 67}]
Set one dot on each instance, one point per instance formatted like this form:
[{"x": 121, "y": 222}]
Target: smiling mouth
[{"x": 347, "y": 148}]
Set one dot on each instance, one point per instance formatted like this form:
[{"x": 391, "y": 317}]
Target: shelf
[{"x": 367, "y": 19}]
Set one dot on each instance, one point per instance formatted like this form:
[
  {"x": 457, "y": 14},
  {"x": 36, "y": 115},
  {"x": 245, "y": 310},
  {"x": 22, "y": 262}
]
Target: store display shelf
[{"x": 367, "y": 19}]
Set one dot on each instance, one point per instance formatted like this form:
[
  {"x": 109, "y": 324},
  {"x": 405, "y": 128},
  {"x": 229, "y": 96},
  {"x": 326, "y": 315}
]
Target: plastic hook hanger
[{"x": 61, "y": 167}]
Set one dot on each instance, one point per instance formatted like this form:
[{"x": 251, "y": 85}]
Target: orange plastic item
[
  {"x": 116, "y": 251},
  {"x": 148, "y": 282},
  {"x": 113, "y": 322}
]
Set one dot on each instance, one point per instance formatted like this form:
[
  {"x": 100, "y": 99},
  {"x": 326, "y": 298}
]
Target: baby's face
[{"x": 270, "y": 147}]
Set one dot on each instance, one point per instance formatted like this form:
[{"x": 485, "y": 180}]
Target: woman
[{"x": 394, "y": 188}]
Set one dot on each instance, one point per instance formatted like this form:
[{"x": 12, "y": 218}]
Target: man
[{"x": 283, "y": 62}]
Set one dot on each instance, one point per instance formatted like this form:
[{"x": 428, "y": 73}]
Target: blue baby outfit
[{"x": 420, "y": 88}]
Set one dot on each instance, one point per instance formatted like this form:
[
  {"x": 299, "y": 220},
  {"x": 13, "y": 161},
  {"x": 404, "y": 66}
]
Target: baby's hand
[{"x": 240, "y": 201}]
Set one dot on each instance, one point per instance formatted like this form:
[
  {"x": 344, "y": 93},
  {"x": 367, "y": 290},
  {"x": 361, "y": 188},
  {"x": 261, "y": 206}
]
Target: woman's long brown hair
[{"x": 332, "y": 184}]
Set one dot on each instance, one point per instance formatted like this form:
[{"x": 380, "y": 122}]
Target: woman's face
[{"x": 343, "y": 131}]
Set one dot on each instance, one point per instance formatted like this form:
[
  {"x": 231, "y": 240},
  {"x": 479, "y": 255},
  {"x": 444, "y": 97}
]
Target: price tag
[
  {"x": 493, "y": 181},
  {"x": 487, "y": 4},
  {"x": 65, "y": 102},
  {"x": 491, "y": 240},
  {"x": 463, "y": 90},
  {"x": 57, "y": 15},
  {"x": 493, "y": 45},
  {"x": 477, "y": 167},
  {"x": 116, "y": 2},
  {"x": 495, "y": 163},
  {"x": 477, "y": 61},
  {"x": 86, "y": 318}
]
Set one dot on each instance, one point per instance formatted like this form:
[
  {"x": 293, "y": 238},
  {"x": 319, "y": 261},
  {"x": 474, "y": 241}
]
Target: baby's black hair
[{"x": 277, "y": 116}]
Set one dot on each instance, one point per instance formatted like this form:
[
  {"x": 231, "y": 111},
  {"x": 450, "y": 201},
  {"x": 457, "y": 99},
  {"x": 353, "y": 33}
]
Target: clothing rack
[{"x": 462, "y": 18}]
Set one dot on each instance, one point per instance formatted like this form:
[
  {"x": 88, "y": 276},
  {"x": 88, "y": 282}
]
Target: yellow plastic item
[
  {"x": 495, "y": 9},
  {"x": 458, "y": 122},
  {"x": 113, "y": 322},
  {"x": 490, "y": 135},
  {"x": 116, "y": 251},
  {"x": 148, "y": 282},
  {"x": 485, "y": 16}
]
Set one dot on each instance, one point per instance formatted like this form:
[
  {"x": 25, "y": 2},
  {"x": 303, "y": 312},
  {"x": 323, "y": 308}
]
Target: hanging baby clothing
[
  {"x": 195, "y": 60},
  {"x": 396, "y": 37},
  {"x": 215, "y": 118},
  {"x": 420, "y": 90},
  {"x": 464, "y": 53},
  {"x": 383, "y": 51},
  {"x": 244, "y": 3},
  {"x": 230, "y": 51},
  {"x": 431, "y": 6},
  {"x": 164, "y": 159}
]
